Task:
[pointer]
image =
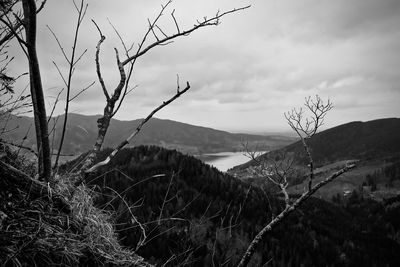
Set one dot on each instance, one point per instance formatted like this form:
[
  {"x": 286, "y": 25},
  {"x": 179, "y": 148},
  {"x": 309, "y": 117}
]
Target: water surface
[{"x": 224, "y": 160}]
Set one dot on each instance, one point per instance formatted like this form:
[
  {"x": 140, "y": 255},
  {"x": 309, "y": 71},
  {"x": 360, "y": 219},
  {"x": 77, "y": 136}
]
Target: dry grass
[{"x": 36, "y": 233}]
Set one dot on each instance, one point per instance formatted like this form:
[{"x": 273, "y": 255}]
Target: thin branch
[
  {"x": 17, "y": 25},
  {"x": 307, "y": 128},
  {"x": 14, "y": 30},
  {"x": 163, "y": 33},
  {"x": 129, "y": 71},
  {"x": 139, "y": 127},
  {"x": 98, "y": 71},
  {"x": 206, "y": 22},
  {"x": 81, "y": 91},
  {"x": 19, "y": 146},
  {"x": 59, "y": 44},
  {"x": 72, "y": 62},
  {"x": 24, "y": 138},
  {"x": 41, "y": 6},
  {"x": 288, "y": 210},
  {"x": 176, "y": 23},
  {"x": 80, "y": 57},
  {"x": 54, "y": 105},
  {"x": 143, "y": 239},
  {"x": 165, "y": 198},
  {"x": 152, "y": 30},
  {"x": 60, "y": 73},
  {"x": 120, "y": 86}
]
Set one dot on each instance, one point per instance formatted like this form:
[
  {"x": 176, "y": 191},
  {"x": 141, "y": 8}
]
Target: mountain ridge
[
  {"x": 353, "y": 140},
  {"x": 82, "y": 131}
]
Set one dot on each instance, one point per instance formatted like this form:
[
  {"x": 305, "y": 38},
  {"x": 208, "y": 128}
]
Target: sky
[{"x": 244, "y": 73}]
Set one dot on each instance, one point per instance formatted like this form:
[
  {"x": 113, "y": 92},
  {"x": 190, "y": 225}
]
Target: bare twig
[
  {"x": 176, "y": 23},
  {"x": 288, "y": 210},
  {"x": 306, "y": 128},
  {"x": 81, "y": 91},
  {"x": 138, "y": 128},
  {"x": 72, "y": 62},
  {"x": 98, "y": 71},
  {"x": 143, "y": 238},
  {"x": 165, "y": 198},
  {"x": 279, "y": 170},
  {"x": 206, "y": 22},
  {"x": 19, "y": 146},
  {"x": 54, "y": 105}
]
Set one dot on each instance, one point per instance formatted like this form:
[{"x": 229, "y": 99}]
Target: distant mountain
[
  {"x": 354, "y": 140},
  {"x": 82, "y": 131}
]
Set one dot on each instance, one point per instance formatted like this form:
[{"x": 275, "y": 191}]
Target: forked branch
[
  {"x": 279, "y": 171},
  {"x": 306, "y": 127},
  {"x": 71, "y": 62},
  {"x": 138, "y": 128},
  {"x": 112, "y": 102},
  {"x": 288, "y": 210},
  {"x": 213, "y": 21}
]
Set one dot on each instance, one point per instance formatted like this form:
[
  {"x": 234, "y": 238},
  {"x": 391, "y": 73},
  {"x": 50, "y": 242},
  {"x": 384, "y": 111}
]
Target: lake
[{"x": 224, "y": 160}]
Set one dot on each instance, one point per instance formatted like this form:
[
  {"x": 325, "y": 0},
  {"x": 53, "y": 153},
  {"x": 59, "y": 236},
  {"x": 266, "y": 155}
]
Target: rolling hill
[
  {"x": 82, "y": 131},
  {"x": 354, "y": 140},
  {"x": 375, "y": 145}
]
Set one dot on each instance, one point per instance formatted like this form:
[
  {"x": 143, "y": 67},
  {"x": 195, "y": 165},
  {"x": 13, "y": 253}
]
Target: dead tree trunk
[{"x": 39, "y": 109}]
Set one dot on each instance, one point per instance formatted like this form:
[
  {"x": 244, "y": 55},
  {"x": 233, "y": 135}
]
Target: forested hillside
[
  {"x": 354, "y": 140},
  {"x": 373, "y": 145},
  {"x": 193, "y": 213}
]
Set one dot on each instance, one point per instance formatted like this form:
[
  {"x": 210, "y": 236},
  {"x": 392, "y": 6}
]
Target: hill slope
[
  {"x": 194, "y": 213},
  {"x": 82, "y": 131},
  {"x": 42, "y": 229},
  {"x": 354, "y": 140},
  {"x": 374, "y": 144}
]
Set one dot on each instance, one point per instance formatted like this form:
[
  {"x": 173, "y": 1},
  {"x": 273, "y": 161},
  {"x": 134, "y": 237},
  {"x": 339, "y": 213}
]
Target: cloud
[
  {"x": 253, "y": 67},
  {"x": 326, "y": 21}
]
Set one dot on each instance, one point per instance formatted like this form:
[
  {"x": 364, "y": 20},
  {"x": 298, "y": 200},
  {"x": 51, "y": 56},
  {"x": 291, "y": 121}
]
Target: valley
[
  {"x": 186, "y": 210},
  {"x": 213, "y": 213}
]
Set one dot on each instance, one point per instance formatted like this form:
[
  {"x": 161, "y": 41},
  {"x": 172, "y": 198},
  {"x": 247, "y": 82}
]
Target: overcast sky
[{"x": 244, "y": 73}]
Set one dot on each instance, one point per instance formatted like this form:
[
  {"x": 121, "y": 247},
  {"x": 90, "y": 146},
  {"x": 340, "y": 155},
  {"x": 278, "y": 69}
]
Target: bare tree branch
[
  {"x": 143, "y": 238},
  {"x": 139, "y": 127},
  {"x": 81, "y": 91},
  {"x": 206, "y": 22},
  {"x": 129, "y": 71},
  {"x": 279, "y": 170},
  {"x": 98, "y": 71},
  {"x": 19, "y": 146},
  {"x": 305, "y": 129},
  {"x": 165, "y": 198},
  {"x": 288, "y": 210},
  {"x": 72, "y": 63},
  {"x": 176, "y": 23},
  {"x": 16, "y": 26},
  {"x": 54, "y": 105},
  {"x": 59, "y": 44}
]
